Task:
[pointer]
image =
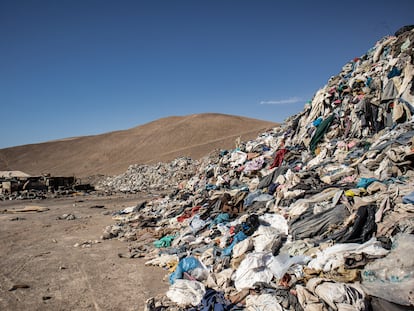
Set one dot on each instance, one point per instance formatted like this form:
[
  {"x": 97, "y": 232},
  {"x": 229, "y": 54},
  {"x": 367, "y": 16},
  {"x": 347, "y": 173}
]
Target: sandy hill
[{"x": 111, "y": 153}]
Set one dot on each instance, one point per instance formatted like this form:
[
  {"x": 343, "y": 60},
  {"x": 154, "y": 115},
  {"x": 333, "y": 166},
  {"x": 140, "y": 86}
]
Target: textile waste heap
[{"x": 316, "y": 214}]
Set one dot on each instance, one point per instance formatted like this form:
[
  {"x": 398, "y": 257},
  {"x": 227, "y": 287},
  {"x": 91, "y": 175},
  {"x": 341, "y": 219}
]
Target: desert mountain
[{"x": 111, "y": 153}]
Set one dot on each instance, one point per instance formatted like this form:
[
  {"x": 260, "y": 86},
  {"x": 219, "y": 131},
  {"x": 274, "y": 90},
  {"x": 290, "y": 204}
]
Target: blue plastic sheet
[{"x": 185, "y": 265}]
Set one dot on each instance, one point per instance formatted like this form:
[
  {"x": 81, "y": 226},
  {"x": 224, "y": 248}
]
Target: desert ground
[
  {"x": 41, "y": 269},
  {"x": 49, "y": 263},
  {"x": 111, "y": 153}
]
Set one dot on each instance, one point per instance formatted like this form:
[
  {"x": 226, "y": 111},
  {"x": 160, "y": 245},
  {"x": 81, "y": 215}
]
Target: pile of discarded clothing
[
  {"x": 142, "y": 178},
  {"x": 316, "y": 214}
]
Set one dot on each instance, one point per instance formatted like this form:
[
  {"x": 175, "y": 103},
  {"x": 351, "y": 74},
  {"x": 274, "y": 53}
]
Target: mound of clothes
[{"x": 316, "y": 214}]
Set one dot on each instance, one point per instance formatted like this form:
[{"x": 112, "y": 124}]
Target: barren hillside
[{"x": 111, "y": 153}]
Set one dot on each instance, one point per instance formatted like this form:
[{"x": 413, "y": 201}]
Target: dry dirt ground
[
  {"x": 41, "y": 269},
  {"x": 163, "y": 140}
]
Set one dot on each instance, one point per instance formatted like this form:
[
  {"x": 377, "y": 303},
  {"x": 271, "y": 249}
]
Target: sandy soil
[
  {"x": 163, "y": 140},
  {"x": 41, "y": 269}
]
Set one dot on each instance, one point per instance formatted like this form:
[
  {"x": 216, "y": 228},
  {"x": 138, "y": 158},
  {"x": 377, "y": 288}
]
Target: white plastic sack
[
  {"x": 253, "y": 269},
  {"x": 264, "y": 238},
  {"x": 392, "y": 277},
  {"x": 200, "y": 274},
  {"x": 128, "y": 210},
  {"x": 280, "y": 264},
  {"x": 186, "y": 293},
  {"x": 208, "y": 258},
  {"x": 276, "y": 221}
]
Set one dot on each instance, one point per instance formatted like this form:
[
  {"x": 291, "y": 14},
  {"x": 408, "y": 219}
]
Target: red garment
[
  {"x": 279, "y": 158},
  {"x": 188, "y": 213}
]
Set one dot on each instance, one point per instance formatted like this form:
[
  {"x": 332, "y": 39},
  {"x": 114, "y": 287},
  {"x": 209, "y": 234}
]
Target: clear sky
[{"x": 83, "y": 67}]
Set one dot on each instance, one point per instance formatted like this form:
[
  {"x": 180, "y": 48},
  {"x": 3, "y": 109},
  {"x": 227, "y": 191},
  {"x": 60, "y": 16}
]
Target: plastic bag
[
  {"x": 186, "y": 293},
  {"x": 200, "y": 274},
  {"x": 265, "y": 238},
  {"x": 392, "y": 277},
  {"x": 253, "y": 269},
  {"x": 185, "y": 265},
  {"x": 280, "y": 264}
]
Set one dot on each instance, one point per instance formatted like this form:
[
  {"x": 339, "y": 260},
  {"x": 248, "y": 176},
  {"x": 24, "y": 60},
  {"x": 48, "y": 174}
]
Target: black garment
[
  {"x": 369, "y": 116},
  {"x": 309, "y": 225},
  {"x": 364, "y": 226},
  {"x": 214, "y": 301},
  {"x": 377, "y": 125},
  {"x": 251, "y": 224}
]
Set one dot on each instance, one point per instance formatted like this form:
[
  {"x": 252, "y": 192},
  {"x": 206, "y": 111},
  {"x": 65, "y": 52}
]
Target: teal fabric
[
  {"x": 221, "y": 218},
  {"x": 164, "y": 241},
  {"x": 320, "y": 131},
  {"x": 365, "y": 182}
]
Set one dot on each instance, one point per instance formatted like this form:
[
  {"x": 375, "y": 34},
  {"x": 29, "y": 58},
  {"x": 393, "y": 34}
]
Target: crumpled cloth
[
  {"x": 279, "y": 158},
  {"x": 164, "y": 241},
  {"x": 339, "y": 296},
  {"x": 409, "y": 198},
  {"x": 320, "y": 131},
  {"x": 365, "y": 182},
  {"x": 186, "y": 293},
  {"x": 254, "y": 165},
  {"x": 214, "y": 300},
  {"x": 264, "y": 302}
]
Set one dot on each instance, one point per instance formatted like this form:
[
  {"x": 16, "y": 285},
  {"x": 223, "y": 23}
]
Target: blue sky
[{"x": 85, "y": 67}]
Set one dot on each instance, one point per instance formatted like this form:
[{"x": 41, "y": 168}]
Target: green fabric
[
  {"x": 320, "y": 131},
  {"x": 164, "y": 241}
]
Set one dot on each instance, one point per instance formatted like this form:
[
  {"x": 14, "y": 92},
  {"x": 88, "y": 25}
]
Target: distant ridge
[{"x": 111, "y": 153}]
